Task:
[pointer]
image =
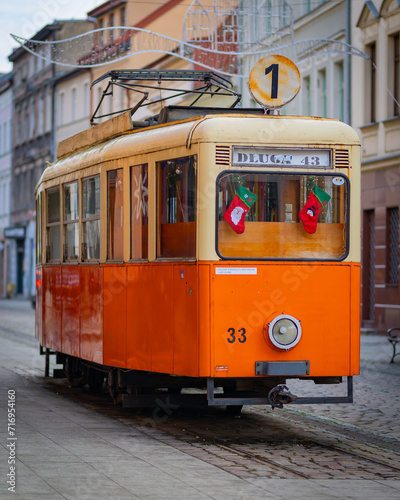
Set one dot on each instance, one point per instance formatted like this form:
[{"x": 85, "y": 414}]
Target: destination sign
[{"x": 298, "y": 158}]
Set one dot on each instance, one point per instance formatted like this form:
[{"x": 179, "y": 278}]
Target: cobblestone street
[{"x": 71, "y": 444}]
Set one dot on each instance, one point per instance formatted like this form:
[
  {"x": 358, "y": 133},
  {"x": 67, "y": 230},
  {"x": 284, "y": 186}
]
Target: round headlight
[{"x": 284, "y": 332}]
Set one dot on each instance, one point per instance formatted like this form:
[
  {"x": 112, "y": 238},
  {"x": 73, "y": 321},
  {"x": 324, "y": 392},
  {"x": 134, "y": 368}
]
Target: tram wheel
[
  {"x": 234, "y": 410},
  {"x": 95, "y": 380}
]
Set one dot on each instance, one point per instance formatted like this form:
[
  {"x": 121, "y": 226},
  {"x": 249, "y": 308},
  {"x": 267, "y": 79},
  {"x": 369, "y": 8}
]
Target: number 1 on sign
[{"x": 274, "y": 80}]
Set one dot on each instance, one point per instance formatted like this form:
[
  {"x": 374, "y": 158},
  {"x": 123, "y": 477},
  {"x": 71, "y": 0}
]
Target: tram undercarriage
[{"x": 140, "y": 389}]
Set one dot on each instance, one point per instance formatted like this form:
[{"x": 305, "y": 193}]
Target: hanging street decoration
[{"x": 218, "y": 37}]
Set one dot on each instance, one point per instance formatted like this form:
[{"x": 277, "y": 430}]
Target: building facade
[
  {"x": 376, "y": 113},
  {"x": 51, "y": 104},
  {"x": 33, "y": 144},
  {"x": 325, "y": 83},
  {"x": 5, "y": 179}
]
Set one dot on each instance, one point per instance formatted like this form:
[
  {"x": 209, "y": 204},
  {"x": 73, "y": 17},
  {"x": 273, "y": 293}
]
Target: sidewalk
[{"x": 65, "y": 450}]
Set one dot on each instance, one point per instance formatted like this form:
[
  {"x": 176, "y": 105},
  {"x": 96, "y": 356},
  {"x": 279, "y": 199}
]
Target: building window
[
  {"x": 91, "y": 218},
  {"x": 115, "y": 215},
  {"x": 32, "y": 116},
  {"x": 339, "y": 90},
  {"x": 307, "y": 96},
  {"x": 322, "y": 93},
  {"x": 111, "y": 24},
  {"x": 139, "y": 211},
  {"x": 86, "y": 99},
  {"x": 61, "y": 114},
  {"x": 26, "y": 125},
  {"x": 48, "y": 123},
  {"x": 74, "y": 104},
  {"x": 396, "y": 73},
  {"x": 101, "y": 33},
  {"x": 392, "y": 246},
  {"x": 53, "y": 245},
  {"x": 368, "y": 266},
  {"x": 176, "y": 208},
  {"x": 41, "y": 116},
  {"x": 123, "y": 16},
  {"x": 372, "y": 83},
  {"x": 71, "y": 221}
]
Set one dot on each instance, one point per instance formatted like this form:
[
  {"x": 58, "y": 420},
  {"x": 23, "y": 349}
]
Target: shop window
[
  {"x": 115, "y": 215},
  {"x": 71, "y": 221},
  {"x": 176, "y": 208},
  {"x": 91, "y": 218},
  {"x": 139, "y": 212},
  {"x": 53, "y": 236}
]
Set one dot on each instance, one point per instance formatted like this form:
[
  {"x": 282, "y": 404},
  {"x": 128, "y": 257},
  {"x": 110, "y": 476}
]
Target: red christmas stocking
[
  {"x": 237, "y": 210},
  {"x": 309, "y": 213}
]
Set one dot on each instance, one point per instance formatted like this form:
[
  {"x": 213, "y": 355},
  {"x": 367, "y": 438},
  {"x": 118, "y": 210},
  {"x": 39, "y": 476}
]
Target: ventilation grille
[
  {"x": 342, "y": 158},
  {"x": 222, "y": 155}
]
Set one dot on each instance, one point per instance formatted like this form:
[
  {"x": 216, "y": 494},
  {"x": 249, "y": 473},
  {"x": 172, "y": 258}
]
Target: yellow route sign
[{"x": 274, "y": 81}]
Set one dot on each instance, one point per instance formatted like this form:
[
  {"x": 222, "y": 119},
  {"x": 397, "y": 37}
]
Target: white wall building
[
  {"x": 5, "y": 177},
  {"x": 72, "y": 104},
  {"x": 376, "y": 114},
  {"x": 324, "y": 78}
]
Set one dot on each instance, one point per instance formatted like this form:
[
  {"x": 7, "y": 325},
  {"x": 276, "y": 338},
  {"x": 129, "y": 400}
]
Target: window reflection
[
  {"x": 115, "y": 215},
  {"x": 91, "y": 218},
  {"x": 272, "y": 226}
]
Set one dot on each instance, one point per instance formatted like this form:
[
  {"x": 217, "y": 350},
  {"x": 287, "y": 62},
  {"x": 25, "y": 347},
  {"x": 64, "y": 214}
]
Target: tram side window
[
  {"x": 176, "y": 208},
  {"x": 71, "y": 221},
  {"x": 139, "y": 212},
  {"x": 53, "y": 236},
  {"x": 272, "y": 226},
  {"x": 91, "y": 218},
  {"x": 115, "y": 215},
  {"x": 39, "y": 229}
]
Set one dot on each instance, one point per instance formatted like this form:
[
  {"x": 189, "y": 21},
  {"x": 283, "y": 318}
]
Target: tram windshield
[{"x": 282, "y": 216}]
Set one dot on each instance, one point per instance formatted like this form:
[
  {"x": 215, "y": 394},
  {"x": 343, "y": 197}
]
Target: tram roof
[{"x": 228, "y": 127}]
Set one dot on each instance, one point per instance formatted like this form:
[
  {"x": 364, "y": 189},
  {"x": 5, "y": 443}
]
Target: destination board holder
[{"x": 274, "y": 81}]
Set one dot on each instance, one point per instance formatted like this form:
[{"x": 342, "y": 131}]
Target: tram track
[
  {"x": 278, "y": 467},
  {"x": 350, "y": 431},
  {"x": 260, "y": 443},
  {"x": 350, "y": 437}
]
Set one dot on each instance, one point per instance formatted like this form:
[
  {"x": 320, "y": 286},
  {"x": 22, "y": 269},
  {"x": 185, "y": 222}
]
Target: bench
[{"x": 394, "y": 339}]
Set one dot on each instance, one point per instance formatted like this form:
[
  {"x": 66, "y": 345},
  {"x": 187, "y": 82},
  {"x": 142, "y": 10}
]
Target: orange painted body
[{"x": 177, "y": 318}]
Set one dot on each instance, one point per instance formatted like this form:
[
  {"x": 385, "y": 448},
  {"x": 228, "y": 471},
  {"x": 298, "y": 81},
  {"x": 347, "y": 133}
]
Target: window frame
[
  {"x": 392, "y": 246},
  {"x": 280, "y": 173},
  {"x": 84, "y": 220},
  {"x": 50, "y": 225},
  {"x": 67, "y": 222},
  {"x": 39, "y": 233},
  {"x": 108, "y": 239},
  {"x": 192, "y": 158},
  {"x": 145, "y": 258}
]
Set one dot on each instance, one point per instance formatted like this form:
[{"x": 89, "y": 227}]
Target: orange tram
[{"x": 213, "y": 249}]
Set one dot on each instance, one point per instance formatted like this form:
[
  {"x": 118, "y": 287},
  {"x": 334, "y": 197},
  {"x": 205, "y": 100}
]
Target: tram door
[{"x": 20, "y": 267}]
